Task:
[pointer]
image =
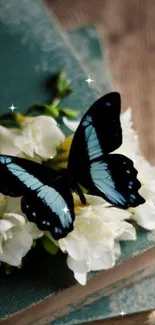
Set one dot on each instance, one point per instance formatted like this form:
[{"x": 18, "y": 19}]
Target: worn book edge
[
  {"x": 58, "y": 305},
  {"x": 103, "y": 295}
]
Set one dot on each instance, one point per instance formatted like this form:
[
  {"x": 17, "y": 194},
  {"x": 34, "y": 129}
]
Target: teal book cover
[
  {"x": 91, "y": 57},
  {"x": 34, "y": 47}
]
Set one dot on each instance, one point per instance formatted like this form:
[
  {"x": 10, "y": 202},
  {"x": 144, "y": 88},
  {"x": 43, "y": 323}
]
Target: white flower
[
  {"x": 130, "y": 143},
  {"x": 91, "y": 245},
  {"x": 41, "y": 136},
  {"x": 16, "y": 233},
  {"x": 144, "y": 214},
  {"x": 37, "y": 139},
  {"x": 8, "y": 144},
  {"x": 14, "y": 205}
]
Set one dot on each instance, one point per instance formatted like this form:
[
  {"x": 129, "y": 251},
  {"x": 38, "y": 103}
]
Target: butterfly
[{"x": 46, "y": 195}]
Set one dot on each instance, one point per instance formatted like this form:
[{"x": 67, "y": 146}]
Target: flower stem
[{"x": 55, "y": 101}]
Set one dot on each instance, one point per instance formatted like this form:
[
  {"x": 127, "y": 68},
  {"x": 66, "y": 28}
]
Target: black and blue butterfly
[{"x": 47, "y": 195}]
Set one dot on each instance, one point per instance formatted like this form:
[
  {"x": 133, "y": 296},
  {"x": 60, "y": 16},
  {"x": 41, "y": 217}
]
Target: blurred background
[{"x": 127, "y": 28}]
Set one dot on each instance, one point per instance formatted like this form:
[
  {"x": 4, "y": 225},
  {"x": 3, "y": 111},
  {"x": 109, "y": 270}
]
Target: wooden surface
[{"x": 128, "y": 28}]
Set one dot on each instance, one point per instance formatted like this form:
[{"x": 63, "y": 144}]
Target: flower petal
[
  {"x": 33, "y": 230},
  {"x": 8, "y": 145},
  {"x": 81, "y": 277},
  {"x": 41, "y": 136},
  {"x": 127, "y": 115},
  {"x": 114, "y": 214},
  {"x": 148, "y": 191},
  {"x": 15, "y": 218},
  {"x": 71, "y": 124},
  {"x": 16, "y": 248},
  {"x": 3, "y": 204},
  {"x": 99, "y": 247},
  {"x": 79, "y": 266},
  {"x": 117, "y": 249},
  {"x": 105, "y": 262},
  {"x": 14, "y": 205},
  {"x": 76, "y": 246},
  {"x": 125, "y": 231},
  {"x": 5, "y": 225},
  {"x": 144, "y": 215}
]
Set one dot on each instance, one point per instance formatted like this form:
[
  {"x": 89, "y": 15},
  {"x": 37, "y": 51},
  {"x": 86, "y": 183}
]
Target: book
[
  {"x": 137, "y": 295},
  {"x": 45, "y": 289},
  {"x": 91, "y": 57}
]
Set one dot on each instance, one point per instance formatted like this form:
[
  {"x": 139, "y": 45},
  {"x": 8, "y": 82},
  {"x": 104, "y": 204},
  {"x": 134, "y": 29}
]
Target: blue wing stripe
[
  {"x": 48, "y": 194},
  {"x": 50, "y": 197},
  {"x": 103, "y": 181},
  {"x": 91, "y": 138}
]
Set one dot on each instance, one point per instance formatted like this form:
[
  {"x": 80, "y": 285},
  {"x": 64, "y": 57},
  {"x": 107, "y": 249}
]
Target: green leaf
[
  {"x": 63, "y": 85},
  {"x": 52, "y": 110},
  {"x": 44, "y": 109},
  {"x": 9, "y": 120},
  {"x": 37, "y": 108},
  {"x": 49, "y": 246}
]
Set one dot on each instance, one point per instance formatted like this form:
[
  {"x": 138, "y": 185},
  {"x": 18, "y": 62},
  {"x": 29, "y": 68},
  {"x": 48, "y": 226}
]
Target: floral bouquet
[{"x": 98, "y": 228}]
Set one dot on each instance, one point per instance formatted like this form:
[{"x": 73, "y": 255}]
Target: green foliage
[
  {"x": 49, "y": 246},
  {"x": 63, "y": 85},
  {"x": 59, "y": 87}
]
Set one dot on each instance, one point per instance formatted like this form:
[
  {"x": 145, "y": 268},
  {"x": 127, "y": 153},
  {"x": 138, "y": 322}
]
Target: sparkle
[
  {"x": 65, "y": 209},
  {"x": 12, "y": 107},
  {"x": 89, "y": 80},
  {"x": 122, "y": 313}
]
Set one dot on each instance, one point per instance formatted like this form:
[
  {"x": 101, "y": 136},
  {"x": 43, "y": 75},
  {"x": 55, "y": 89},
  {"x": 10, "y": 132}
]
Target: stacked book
[{"x": 33, "y": 47}]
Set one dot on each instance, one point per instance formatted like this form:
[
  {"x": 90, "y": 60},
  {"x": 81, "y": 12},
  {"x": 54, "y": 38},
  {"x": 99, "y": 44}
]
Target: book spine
[
  {"x": 62, "y": 313},
  {"x": 57, "y": 319}
]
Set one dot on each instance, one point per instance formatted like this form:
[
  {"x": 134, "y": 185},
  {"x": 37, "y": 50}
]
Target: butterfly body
[{"x": 47, "y": 195}]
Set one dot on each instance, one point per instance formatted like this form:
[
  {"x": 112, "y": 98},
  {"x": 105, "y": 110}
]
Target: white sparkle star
[
  {"x": 122, "y": 313},
  {"x": 89, "y": 80},
  {"x": 65, "y": 209},
  {"x": 12, "y": 107}
]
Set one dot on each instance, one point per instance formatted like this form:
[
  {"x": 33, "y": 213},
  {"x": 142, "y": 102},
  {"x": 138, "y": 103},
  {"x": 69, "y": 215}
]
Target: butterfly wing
[
  {"x": 115, "y": 180},
  {"x": 46, "y": 198},
  {"x": 99, "y": 134}
]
